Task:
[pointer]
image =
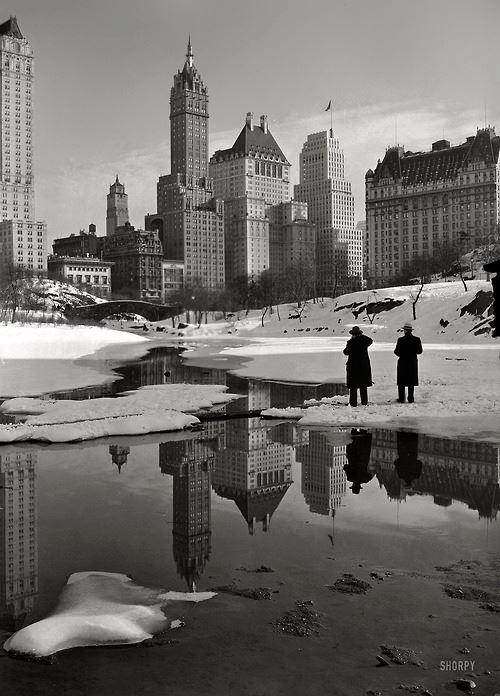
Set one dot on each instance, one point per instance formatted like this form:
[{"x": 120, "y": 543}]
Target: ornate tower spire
[
  {"x": 189, "y": 121},
  {"x": 189, "y": 54}
]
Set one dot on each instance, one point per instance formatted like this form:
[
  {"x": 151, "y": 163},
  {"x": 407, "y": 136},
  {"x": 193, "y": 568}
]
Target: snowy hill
[
  {"x": 445, "y": 313},
  {"x": 57, "y": 295}
]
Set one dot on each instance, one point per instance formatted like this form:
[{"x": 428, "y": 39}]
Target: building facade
[
  {"x": 90, "y": 273},
  {"x": 78, "y": 244},
  {"x": 189, "y": 219},
  {"x": 18, "y": 537},
  {"x": 23, "y": 240},
  {"x": 137, "y": 256},
  {"x": 116, "y": 207},
  {"x": 251, "y": 176},
  {"x": 292, "y": 238},
  {"x": 172, "y": 278},
  {"x": 416, "y": 202},
  {"x": 323, "y": 185}
]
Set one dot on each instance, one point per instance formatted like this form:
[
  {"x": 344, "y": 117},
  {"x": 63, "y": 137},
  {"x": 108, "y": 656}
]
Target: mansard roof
[
  {"x": 253, "y": 142},
  {"x": 11, "y": 28},
  {"x": 441, "y": 163}
]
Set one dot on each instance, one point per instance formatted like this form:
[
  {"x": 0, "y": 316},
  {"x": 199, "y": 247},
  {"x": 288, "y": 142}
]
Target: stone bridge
[{"x": 148, "y": 310}]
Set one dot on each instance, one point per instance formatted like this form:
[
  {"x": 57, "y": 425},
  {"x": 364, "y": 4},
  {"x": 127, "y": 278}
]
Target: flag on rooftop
[{"x": 329, "y": 106}]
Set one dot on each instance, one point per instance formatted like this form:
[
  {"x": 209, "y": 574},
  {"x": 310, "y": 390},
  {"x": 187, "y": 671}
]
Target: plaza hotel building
[{"x": 417, "y": 201}]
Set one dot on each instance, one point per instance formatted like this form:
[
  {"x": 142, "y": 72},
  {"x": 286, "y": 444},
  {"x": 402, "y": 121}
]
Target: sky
[{"x": 410, "y": 71}]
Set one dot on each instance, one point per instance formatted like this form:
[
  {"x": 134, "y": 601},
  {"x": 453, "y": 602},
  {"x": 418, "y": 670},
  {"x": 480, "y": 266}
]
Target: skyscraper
[
  {"x": 190, "y": 221},
  {"x": 323, "y": 186},
  {"x": 251, "y": 176},
  {"x": 117, "y": 207},
  {"x": 23, "y": 241}
]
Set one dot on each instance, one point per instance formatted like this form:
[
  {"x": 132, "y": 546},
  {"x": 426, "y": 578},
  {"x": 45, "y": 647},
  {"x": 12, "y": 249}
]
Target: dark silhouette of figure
[
  {"x": 358, "y": 367},
  {"x": 358, "y": 457},
  {"x": 494, "y": 267},
  {"x": 407, "y": 465},
  {"x": 407, "y": 349}
]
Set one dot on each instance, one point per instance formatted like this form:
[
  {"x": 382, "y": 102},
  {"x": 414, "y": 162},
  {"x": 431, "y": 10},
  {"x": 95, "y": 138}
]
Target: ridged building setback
[
  {"x": 323, "y": 185},
  {"x": 23, "y": 239},
  {"x": 416, "y": 201}
]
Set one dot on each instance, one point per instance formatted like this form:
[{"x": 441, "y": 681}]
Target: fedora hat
[
  {"x": 408, "y": 326},
  {"x": 355, "y": 331}
]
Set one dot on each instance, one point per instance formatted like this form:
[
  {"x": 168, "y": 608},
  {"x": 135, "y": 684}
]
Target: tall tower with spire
[
  {"x": 189, "y": 121},
  {"x": 117, "y": 207},
  {"x": 189, "y": 219}
]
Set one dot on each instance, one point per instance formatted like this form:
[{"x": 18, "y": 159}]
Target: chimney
[
  {"x": 91, "y": 228},
  {"x": 249, "y": 120},
  {"x": 263, "y": 123}
]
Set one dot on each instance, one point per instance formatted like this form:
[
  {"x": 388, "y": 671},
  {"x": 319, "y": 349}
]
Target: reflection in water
[
  {"x": 249, "y": 461},
  {"x": 18, "y": 537},
  {"x": 358, "y": 459},
  {"x": 191, "y": 462},
  {"x": 446, "y": 469},
  {"x": 164, "y": 365},
  {"x": 252, "y": 469},
  {"x": 119, "y": 455}
]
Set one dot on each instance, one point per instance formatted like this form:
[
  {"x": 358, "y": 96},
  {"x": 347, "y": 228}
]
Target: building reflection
[
  {"x": 191, "y": 463},
  {"x": 449, "y": 470},
  {"x": 18, "y": 537},
  {"x": 119, "y": 455},
  {"x": 253, "y": 469},
  {"x": 323, "y": 477}
]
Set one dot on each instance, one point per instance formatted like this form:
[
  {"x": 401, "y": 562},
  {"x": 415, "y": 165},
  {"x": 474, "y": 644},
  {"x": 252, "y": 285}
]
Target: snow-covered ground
[
  {"x": 150, "y": 409},
  {"x": 38, "y": 358},
  {"x": 459, "y": 368}
]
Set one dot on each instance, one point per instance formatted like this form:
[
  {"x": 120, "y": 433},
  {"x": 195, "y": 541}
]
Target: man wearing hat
[
  {"x": 407, "y": 349},
  {"x": 358, "y": 368}
]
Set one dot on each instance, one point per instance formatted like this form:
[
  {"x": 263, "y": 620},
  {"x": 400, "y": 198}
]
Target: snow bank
[
  {"x": 154, "y": 408},
  {"x": 441, "y": 316},
  {"x": 97, "y": 608},
  {"x": 58, "y": 342}
]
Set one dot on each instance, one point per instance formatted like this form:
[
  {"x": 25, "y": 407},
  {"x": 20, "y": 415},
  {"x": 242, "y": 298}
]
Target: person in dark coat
[
  {"x": 358, "y": 367},
  {"x": 494, "y": 267},
  {"x": 407, "y": 349},
  {"x": 358, "y": 457},
  {"x": 407, "y": 465}
]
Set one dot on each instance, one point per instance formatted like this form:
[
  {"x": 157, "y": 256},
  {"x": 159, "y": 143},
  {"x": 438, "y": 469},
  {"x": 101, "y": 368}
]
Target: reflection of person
[
  {"x": 407, "y": 349},
  {"x": 358, "y": 457},
  {"x": 407, "y": 465},
  {"x": 358, "y": 368}
]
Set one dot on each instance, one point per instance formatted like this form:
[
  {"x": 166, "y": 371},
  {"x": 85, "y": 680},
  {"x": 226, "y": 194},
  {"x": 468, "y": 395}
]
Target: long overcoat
[
  {"x": 358, "y": 367},
  {"x": 407, "y": 349}
]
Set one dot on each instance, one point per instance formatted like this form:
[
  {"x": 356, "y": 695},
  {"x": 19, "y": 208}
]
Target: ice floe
[
  {"x": 150, "y": 409},
  {"x": 98, "y": 608}
]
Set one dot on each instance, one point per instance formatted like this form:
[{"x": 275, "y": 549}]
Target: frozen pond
[
  {"x": 189, "y": 509},
  {"x": 207, "y": 509}
]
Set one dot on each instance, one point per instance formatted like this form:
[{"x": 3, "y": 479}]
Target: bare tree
[{"x": 16, "y": 289}]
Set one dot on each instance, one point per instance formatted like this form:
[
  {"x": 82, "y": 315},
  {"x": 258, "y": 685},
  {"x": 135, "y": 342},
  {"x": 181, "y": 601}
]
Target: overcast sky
[{"x": 104, "y": 69}]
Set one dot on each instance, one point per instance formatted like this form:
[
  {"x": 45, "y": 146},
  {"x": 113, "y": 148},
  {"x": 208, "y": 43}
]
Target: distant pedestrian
[
  {"x": 358, "y": 367},
  {"x": 407, "y": 349}
]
